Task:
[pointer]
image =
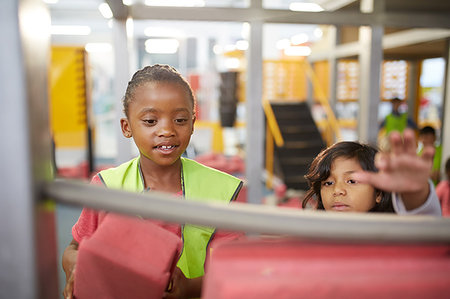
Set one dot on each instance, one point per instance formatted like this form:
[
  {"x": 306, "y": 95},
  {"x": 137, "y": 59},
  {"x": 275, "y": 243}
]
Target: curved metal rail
[{"x": 255, "y": 218}]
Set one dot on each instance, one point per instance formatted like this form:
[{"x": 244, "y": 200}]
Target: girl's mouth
[
  {"x": 340, "y": 207},
  {"x": 166, "y": 149}
]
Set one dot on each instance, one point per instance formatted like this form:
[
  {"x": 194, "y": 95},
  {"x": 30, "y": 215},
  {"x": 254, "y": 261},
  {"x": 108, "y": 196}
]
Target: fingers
[
  {"x": 428, "y": 154},
  {"x": 395, "y": 140},
  {"x": 403, "y": 144},
  {"x": 409, "y": 142}
]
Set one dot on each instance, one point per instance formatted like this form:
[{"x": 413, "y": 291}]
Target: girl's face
[
  {"x": 340, "y": 192},
  {"x": 161, "y": 121}
]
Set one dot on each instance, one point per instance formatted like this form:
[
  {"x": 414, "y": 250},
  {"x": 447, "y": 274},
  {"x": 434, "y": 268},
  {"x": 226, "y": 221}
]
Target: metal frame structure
[{"x": 28, "y": 257}]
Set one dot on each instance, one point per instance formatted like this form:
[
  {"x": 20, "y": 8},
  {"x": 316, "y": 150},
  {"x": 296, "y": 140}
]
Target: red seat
[
  {"x": 285, "y": 268},
  {"x": 126, "y": 258}
]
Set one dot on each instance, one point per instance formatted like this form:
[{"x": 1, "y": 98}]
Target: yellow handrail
[
  {"x": 273, "y": 133},
  {"x": 332, "y": 121},
  {"x": 272, "y": 123}
]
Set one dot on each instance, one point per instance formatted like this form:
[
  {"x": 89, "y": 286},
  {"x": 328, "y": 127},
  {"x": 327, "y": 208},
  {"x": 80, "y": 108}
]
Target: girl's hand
[
  {"x": 68, "y": 289},
  {"x": 181, "y": 287},
  {"x": 69, "y": 261},
  {"x": 401, "y": 170}
]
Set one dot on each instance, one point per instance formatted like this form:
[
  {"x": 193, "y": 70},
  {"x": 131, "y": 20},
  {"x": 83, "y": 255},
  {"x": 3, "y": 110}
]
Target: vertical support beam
[
  {"x": 445, "y": 132},
  {"x": 412, "y": 98},
  {"x": 28, "y": 258},
  {"x": 332, "y": 63},
  {"x": 370, "y": 59},
  {"x": 121, "y": 78},
  {"x": 255, "y": 116}
]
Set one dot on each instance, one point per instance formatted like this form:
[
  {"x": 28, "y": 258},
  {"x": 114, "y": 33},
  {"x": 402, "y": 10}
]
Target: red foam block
[
  {"x": 295, "y": 269},
  {"x": 126, "y": 258}
]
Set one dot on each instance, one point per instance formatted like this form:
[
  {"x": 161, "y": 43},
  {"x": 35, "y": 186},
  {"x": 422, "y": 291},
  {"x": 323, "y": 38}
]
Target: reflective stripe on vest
[{"x": 201, "y": 183}]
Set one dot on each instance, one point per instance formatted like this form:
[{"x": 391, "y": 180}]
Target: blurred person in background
[{"x": 427, "y": 137}]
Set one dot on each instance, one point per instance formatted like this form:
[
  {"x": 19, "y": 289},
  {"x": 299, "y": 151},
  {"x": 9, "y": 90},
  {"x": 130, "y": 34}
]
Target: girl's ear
[
  {"x": 125, "y": 126},
  {"x": 193, "y": 122},
  {"x": 379, "y": 196}
]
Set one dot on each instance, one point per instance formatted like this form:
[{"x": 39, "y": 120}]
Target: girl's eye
[
  {"x": 180, "y": 120},
  {"x": 351, "y": 181},
  {"x": 150, "y": 121},
  {"x": 327, "y": 183}
]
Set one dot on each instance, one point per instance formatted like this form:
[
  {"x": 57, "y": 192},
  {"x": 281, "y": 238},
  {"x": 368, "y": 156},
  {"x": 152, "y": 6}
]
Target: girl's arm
[
  {"x": 402, "y": 171},
  {"x": 69, "y": 260}
]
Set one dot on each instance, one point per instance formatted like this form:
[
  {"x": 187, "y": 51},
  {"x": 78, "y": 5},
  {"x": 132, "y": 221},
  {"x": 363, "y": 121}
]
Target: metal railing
[
  {"x": 315, "y": 225},
  {"x": 332, "y": 124}
]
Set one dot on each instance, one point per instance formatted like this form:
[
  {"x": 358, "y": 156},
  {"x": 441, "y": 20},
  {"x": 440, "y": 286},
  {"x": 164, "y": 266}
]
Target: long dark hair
[{"x": 320, "y": 170}]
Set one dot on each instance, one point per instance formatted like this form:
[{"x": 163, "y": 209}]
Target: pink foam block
[
  {"x": 126, "y": 258},
  {"x": 294, "y": 269}
]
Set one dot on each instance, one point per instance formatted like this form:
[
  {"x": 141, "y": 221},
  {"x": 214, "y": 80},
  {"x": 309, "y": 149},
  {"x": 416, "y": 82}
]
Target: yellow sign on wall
[{"x": 68, "y": 97}]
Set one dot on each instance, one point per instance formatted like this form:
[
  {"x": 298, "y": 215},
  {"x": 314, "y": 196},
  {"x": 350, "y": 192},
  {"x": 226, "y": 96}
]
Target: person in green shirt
[
  {"x": 397, "y": 120},
  {"x": 427, "y": 137}
]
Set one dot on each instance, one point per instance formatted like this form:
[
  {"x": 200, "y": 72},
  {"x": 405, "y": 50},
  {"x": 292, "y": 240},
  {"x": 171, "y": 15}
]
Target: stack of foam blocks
[{"x": 126, "y": 258}]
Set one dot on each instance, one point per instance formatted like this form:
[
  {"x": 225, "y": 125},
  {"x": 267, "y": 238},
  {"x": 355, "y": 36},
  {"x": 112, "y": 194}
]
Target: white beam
[{"x": 390, "y": 41}]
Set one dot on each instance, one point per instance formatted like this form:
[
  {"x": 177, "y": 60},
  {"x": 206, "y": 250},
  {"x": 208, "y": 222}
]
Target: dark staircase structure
[{"x": 302, "y": 142}]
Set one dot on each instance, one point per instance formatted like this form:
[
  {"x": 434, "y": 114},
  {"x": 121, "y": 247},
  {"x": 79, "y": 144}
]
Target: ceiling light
[
  {"x": 161, "y": 46},
  {"x": 127, "y": 2},
  {"x": 70, "y": 30},
  {"x": 305, "y": 6},
  {"x": 51, "y": 1},
  {"x": 180, "y": 3},
  {"x": 105, "y": 10}
]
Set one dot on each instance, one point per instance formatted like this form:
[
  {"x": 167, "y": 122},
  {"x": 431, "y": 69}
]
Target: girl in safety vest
[
  {"x": 353, "y": 177},
  {"x": 159, "y": 107}
]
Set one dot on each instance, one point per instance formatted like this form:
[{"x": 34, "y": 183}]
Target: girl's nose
[
  {"x": 166, "y": 129},
  {"x": 339, "y": 189}
]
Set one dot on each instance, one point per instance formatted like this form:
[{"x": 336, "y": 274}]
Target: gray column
[
  {"x": 370, "y": 59},
  {"x": 412, "y": 87},
  {"x": 255, "y": 116},
  {"x": 121, "y": 78},
  {"x": 332, "y": 62},
  {"x": 28, "y": 258}
]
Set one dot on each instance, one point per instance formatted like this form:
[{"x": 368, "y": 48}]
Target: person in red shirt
[{"x": 443, "y": 191}]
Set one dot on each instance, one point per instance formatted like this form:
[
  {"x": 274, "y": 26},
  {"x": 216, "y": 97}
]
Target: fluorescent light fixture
[
  {"x": 98, "y": 47},
  {"x": 283, "y": 44},
  {"x": 305, "y": 6},
  {"x": 51, "y": 1},
  {"x": 161, "y": 46},
  {"x": 180, "y": 3},
  {"x": 70, "y": 30},
  {"x": 127, "y": 2},
  {"x": 299, "y": 39},
  {"x": 242, "y": 45},
  {"x": 105, "y": 10},
  {"x": 297, "y": 51}
]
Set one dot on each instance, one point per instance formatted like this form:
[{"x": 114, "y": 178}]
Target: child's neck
[{"x": 161, "y": 178}]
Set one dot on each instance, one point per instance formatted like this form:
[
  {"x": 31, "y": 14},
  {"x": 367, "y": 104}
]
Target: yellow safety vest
[{"x": 200, "y": 183}]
